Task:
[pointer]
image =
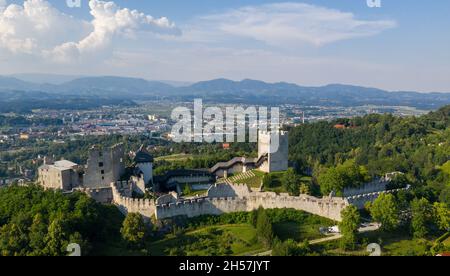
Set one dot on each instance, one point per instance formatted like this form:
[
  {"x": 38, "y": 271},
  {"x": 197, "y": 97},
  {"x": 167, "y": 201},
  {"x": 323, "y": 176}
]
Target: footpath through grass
[
  {"x": 223, "y": 240},
  {"x": 398, "y": 243}
]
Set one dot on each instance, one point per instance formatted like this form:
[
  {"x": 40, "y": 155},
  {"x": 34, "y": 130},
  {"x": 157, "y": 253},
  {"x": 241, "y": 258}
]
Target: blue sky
[{"x": 404, "y": 45}]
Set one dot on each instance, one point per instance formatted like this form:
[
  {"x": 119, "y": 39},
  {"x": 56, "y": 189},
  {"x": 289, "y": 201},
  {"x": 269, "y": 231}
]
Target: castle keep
[
  {"x": 273, "y": 152},
  {"x": 104, "y": 166}
]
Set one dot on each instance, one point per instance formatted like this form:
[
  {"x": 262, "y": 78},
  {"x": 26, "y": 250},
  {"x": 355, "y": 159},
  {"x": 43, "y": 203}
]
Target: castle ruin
[
  {"x": 224, "y": 198},
  {"x": 103, "y": 167},
  {"x": 100, "y": 179}
]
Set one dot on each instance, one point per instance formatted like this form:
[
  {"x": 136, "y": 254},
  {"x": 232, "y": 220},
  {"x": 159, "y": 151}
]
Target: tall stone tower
[
  {"x": 275, "y": 147},
  {"x": 104, "y": 166}
]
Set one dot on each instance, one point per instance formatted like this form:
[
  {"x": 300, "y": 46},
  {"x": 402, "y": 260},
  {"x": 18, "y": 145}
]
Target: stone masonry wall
[
  {"x": 226, "y": 198},
  {"x": 378, "y": 185},
  {"x": 104, "y": 166},
  {"x": 121, "y": 192},
  {"x": 237, "y": 198},
  {"x": 360, "y": 200}
]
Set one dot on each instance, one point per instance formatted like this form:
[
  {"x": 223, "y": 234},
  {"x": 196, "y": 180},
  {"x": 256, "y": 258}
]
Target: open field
[
  {"x": 277, "y": 182},
  {"x": 175, "y": 157},
  {"x": 298, "y": 231},
  {"x": 399, "y": 243},
  {"x": 254, "y": 181},
  {"x": 236, "y": 239}
]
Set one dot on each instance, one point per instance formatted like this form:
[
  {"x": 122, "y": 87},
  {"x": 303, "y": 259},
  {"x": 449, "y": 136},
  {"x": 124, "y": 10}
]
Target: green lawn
[
  {"x": 297, "y": 231},
  {"x": 277, "y": 182},
  {"x": 406, "y": 247},
  {"x": 175, "y": 157},
  {"x": 253, "y": 182},
  {"x": 192, "y": 192},
  {"x": 447, "y": 242},
  {"x": 195, "y": 193},
  {"x": 399, "y": 243},
  {"x": 297, "y": 225},
  {"x": 210, "y": 241}
]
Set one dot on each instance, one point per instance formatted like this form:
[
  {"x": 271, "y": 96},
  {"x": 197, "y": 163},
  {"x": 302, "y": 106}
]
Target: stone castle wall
[
  {"x": 329, "y": 208},
  {"x": 235, "y": 198},
  {"x": 378, "y": 185},
  {"x": 225, "y": 198},
  {"x": 360, "y": 200},
  {"x": 102, "y": 195},
  {"x": 121, "y": 194}
]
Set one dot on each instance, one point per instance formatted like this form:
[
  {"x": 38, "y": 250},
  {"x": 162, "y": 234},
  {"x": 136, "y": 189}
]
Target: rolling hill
[{"x": 219, "y": 90}]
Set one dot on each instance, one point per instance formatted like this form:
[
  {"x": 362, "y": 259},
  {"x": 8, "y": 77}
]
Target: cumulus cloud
[
  {"x": 110, "y": 21},
  {"x": 291, "y": 23},
  {"x": 37, "y": 28}
]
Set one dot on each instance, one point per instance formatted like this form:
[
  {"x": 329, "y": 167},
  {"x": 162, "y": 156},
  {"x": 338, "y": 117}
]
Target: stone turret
[{"x": 144, "y": 161}]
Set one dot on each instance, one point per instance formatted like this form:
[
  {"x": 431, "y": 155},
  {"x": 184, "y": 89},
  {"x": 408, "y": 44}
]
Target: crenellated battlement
[
  {"x": 121, "y": 192},
  {"x": 360, "y": 200},
  {"x": 225, "y": 198}
]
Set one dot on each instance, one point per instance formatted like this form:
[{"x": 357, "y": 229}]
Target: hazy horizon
[{"x": 401, "y": 46}]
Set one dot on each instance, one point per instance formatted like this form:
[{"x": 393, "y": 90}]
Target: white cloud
[
  {"x": 37, "y": 28},
  {"x": 2, "y": 3},
  {"x": 110, "y": 21},
  {"x": 290, "y": 24}
]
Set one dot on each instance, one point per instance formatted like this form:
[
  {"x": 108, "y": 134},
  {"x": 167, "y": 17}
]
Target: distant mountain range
[{"x": 116, "y": 89}]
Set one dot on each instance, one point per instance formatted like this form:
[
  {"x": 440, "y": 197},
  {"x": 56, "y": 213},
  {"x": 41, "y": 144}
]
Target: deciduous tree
[
  {"x": 134, "y": 229},
  {"x": 349, "y": 226},
  {"x": 385, "y": 211},
  {"x": 421, "y": 212}
]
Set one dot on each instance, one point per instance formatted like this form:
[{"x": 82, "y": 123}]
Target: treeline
[
  {"x": 404, "y": 213},
  {"x": 377, "y": 144},
  {"x": 26, "y": 105},
  {"x": 203, "y": 155},
  {"x": 21, "y": 121},
  {"x": 262, "y": 220}
]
